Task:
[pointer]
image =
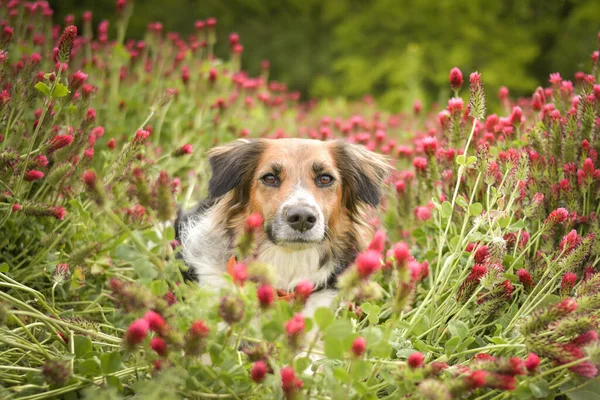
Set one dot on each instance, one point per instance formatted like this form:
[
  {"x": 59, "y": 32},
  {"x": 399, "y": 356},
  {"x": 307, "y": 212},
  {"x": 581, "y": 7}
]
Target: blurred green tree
[{"x": 397, "y": 50}]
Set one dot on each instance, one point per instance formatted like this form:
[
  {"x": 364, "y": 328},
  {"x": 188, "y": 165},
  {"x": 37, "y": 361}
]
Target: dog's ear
[
  {"x": 363, "y": 174},
  {"x": 233, "y": 167}
]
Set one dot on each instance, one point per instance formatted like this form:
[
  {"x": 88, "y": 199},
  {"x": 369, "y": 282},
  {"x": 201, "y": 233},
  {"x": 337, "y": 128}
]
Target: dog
[{"x": 315, "y": 198}]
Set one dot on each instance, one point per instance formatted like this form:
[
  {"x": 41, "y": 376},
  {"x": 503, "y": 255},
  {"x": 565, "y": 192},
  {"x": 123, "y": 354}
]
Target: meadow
[{"x": 480, "y": 282}]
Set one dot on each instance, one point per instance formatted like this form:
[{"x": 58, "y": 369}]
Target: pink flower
[
  {"x": 295, "y": 326},
  {"x": 415, "y": 360},
  {"x": 401, "y": 253},
  {"x": 423, "y": 213},
  {"x": 58, "y": 142},
  {"x": 137, "y": 332},
  {"x": 111, "y": 144},
  {"x": 258, "y": 371},
  {"x": 33, "y": 175},
  {"x": 503, "y": 93},
  {"x": 420, "y": 164},
  {"x": 89, "y": 178},
  {"x": 455, "y": 78},
  {"x": 199, "y": 329},
  {"x": 239, "y": 273},
  {"x": 254, "y": 222},
  {"x": 557, "y": 216},
  {"x": 525, "y": 278},
  {"x": 476, "y": 379},
  {"x": 359, "y": 346},
  {"x": 378, "y": 242},
  {"x": 141, "y": 136},
  {"x": 159, "y": 346},
  {"x": 532, "y": 362},
  {"x": 266, "y": 295},
  {"x": 183, "y": 150},
  {"x": 289, "y": 382},
  {"x": 156, "y": 322},
  {"x": 367, "y": 263},
  {"x": 568, "y": 282},
  {"x": 303, "y": 290}
]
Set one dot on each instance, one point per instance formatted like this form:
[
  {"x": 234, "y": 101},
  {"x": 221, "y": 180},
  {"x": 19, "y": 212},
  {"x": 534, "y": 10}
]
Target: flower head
[{"x": 258, "y": 371}]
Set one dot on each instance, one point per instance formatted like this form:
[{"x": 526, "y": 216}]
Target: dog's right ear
[{"x": 233, "y": 167}]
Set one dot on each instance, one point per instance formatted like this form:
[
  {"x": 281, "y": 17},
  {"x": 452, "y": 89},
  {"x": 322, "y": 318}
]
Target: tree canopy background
[{"x": 396, "y": 50}]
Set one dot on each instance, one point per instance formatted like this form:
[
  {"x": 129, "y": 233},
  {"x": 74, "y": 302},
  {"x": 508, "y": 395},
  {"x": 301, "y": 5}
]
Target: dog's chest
[{"x": 293, "y": 266}]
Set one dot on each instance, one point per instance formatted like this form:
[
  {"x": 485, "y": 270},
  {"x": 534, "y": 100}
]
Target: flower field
[{"x": 482, "y": 279}]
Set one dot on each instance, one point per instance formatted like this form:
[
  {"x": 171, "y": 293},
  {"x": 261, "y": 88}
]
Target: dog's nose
[{"x": 301, "y": 218}]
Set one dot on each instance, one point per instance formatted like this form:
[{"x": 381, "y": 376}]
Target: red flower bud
[
  {"x": 33, "y": 175},
  {"x": 532, "y": 362},
  {"x": 359, "y": 346},
  {"x": 368, "y": 263},
  {"x": 254, "y": 222},
  {"x": 159, "y": 346},
  {"x": 415, "y": 360},
  {"x": 266, "y": 295},
  {"x": 378, "y": 242},
  {"x": 258, "y": 371},
  {"x": 303, "y": 290},
  {"x": 456, "y": 78},
  {"x": 239, "y": 273},
  {"x": 156, "y": 322},
  {"x": 136, "y": 332}
]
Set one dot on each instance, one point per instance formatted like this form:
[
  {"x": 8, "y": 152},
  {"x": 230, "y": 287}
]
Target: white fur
[
  {"x": 291, "y": 266},
  {"x": 300, "y": 197},
  {"x": 205, "y": 249}
]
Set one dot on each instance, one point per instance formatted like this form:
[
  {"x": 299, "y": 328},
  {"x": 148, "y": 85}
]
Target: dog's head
[{"x": 302, "y": 188}]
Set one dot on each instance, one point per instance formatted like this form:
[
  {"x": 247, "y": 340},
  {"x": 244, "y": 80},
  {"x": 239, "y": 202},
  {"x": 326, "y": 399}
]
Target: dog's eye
[
  {"x": 324, "y": 180},
  {"x": 270, "y": 180}
]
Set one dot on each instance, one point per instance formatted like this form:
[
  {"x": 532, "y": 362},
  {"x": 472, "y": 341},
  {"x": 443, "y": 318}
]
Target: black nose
[{"x": 301, "y": 218}]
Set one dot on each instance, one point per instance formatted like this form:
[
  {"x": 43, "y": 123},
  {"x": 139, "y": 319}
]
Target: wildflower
[
  {"x": 164, "y": 197},
  {"x": 567, "y": 283},
  {"x": 195, "y": 338},
  {"x": 258, "y": 371},
  {"x": 420, "y": 164},
  {"x": 33, "y": 175},
  {"x": 111, "y": 144},
  {"x": 481, "y": 254},
  {"x": 183, "y": 150},
  {"x": 266, "y": 295},
  {"x": 477, "y": 99},
  {"x": 516, "y": 117},
  {"x": 367, "y": 263},
  {"x": 159, "y": 346},
  {"x": 303, "y": 290},
  {"x": 58, "y": 142},
  {"x": 423, "y": 213},
  {"x": 532, "y": 362},
  {"x": 430, "y": 145},
  {"x": 56, "y": 372},
  {"x": 468, "y": 286},
  {"x": 401, "y": 254},
  {"x": 65, "y": 43},
  {"x": 295, "y": 326},
  {"x": 136, "y": 332},
  {"x": 456, "y": 79},
  {"x": 476, "y": 379},
  {"x": 415, "y": 360},
  {"x": 359, "y": 346},
  {"x": 525, "y": 278},
  {"x": 78, "y": 80},
  {"x": 61, "y": 273},
  {"x": 156, "y": 322},
  {"x": 289, "y": 382},
  {"x": 378, "y": 242},
  {"x": 239, "y": 273},
  {"x": 503, "y": 93},
  {"x": 455, "y": 106},
  {"x": 557, "y": 216},
  {"x": 231, "y": 309},
  {"x": 254, "y": 222},
  {"x": 141, "y": 136}
]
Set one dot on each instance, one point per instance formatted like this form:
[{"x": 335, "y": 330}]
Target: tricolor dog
[{"x": 314, "y": 196}]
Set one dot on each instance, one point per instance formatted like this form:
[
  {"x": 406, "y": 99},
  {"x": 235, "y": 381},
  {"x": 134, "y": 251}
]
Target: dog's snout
[{"x": 301, "y": 218}]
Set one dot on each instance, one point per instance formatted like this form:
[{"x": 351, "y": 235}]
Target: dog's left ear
[
  {"x": 363, "y": 173},
  {"x": 233, "y": 166}
]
